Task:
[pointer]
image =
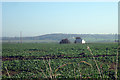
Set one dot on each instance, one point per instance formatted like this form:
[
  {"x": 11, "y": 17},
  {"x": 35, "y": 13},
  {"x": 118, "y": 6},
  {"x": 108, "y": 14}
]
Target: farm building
[
  {"x": 79, "y": 40},
  {"x": 117, "y": 41},
  {"x": 64, "y": 41},
  {"x": 83, "y": 41}
]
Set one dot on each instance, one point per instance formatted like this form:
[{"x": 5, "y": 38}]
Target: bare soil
[{"x": 47, "y": 57}]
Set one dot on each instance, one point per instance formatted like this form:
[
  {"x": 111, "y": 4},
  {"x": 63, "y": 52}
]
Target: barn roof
[{"x": 78, "y": 38}]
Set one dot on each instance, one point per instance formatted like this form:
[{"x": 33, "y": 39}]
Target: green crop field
[{"x": 52, "y": 60}]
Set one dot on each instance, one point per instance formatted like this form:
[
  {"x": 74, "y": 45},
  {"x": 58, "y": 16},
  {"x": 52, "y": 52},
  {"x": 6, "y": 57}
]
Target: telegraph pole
[{"x": 21, "y": 37}]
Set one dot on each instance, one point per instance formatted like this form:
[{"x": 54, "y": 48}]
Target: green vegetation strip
[{"x": 71, "y": 67}]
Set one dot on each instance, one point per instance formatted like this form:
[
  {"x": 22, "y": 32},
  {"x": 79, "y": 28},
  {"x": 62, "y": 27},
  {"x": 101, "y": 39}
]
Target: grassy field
[{"x": 52, "y": 60}]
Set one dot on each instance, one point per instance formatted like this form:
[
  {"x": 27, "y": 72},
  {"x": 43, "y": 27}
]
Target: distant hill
[{"x": 57, "y": 37}]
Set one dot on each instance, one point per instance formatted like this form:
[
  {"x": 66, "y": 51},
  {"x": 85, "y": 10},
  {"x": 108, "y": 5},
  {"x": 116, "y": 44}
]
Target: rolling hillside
[{"x": 57, "y": 37}]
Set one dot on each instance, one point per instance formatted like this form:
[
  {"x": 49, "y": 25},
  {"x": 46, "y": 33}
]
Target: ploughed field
[{"x": 52, "y": 60}]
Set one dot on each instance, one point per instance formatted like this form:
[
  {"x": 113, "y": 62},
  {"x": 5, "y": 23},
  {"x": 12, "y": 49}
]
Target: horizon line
[{"x": 63, "y": 33}]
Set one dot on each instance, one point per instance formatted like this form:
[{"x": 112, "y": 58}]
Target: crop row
[{"x": 86, "y": 67}]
